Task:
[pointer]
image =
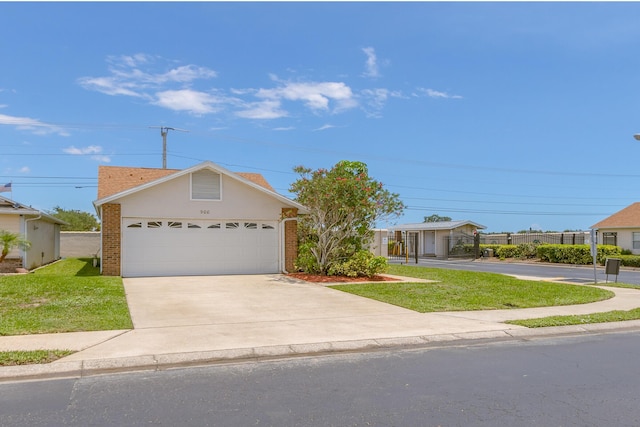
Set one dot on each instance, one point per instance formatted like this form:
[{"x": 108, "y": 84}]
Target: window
[
  {"x": 205, "y": 185},
  {"x": 267, "y": 227},
  {"x": 154, "y": 224},
  {"x": 636, "y": 240},
  {"x": 251, "y": 225},
  {"x": 216, "y": 226},
  {"x": 232, "y": 225},
  {"x": 192, "y": 225},
  {"x": 135, "y": 225},
  {"x": 609, "y": 238},
  {"x": 174, "y": 224}
]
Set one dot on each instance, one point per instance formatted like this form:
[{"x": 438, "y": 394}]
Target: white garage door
[{"x": 178, "y": 247}]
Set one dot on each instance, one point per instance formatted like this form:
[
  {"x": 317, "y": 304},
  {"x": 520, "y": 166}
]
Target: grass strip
[
  {"x": 15, "y": 358},
  {"x": 456, "y": 290},
  {"x": 67, "y": 296},
  {"x": 579, "y": 319}
]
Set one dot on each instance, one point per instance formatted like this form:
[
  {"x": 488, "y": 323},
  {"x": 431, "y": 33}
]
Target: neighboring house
[
  {"x": 39, "y": 228},
  {"x": 621, "y": 229},
  {"x": 198, "y": 221},
  {"x": 434, "y": 239}
]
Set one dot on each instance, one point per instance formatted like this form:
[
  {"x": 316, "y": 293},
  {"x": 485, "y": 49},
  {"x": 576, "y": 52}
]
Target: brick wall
[
  {"x": 290, "y": 238},
  {"x": 111, "y": 244}
]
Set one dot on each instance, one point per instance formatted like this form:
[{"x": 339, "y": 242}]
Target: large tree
[
  {"x": 344, "y": 203},
  {"x": 9, "y": 241},
  {"x": 76, "y": 220}
]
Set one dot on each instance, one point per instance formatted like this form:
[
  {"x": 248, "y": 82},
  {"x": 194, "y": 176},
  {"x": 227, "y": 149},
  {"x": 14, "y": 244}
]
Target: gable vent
[{"x": 205, "y": 185}]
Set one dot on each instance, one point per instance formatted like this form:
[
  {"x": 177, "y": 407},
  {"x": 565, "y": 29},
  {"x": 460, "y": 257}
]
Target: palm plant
[{"x": 9, "y": 241}]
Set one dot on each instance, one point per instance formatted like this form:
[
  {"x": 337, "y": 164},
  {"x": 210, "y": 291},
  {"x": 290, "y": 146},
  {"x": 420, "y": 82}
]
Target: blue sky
[{"x": 512, "y": 115}]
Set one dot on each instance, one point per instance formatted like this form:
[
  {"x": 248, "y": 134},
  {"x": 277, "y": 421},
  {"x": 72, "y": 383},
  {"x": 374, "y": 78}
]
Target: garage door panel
[{"x": 233, "y": 247}]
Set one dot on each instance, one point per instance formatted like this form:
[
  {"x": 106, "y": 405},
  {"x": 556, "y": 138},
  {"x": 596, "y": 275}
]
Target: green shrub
[
  {"x": 576, "y": 254},
  {"x": 490, "y": 246},
  {"x": 630, "y": 260},
  {"x": 362, "y": 264},
  {"x": 507, "y": 251},
  {"x": 306, "y": 261},
  {"x": 462, "y": 249}
]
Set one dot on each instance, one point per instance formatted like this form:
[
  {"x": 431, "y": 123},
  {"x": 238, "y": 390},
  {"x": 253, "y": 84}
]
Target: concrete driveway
[
  {"x": 209, "y": 313},
  {"x": 221, "y": 300}
]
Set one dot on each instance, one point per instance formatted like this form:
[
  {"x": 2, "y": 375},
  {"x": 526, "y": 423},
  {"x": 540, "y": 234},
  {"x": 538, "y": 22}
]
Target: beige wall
[
  {"x": 624, "y": 238},
  {"x": 11, "y": 223},
  {"x": 79, "y": 244},
  {"x": 172, "y": 199},
  {"x": 379, "y": 246}
]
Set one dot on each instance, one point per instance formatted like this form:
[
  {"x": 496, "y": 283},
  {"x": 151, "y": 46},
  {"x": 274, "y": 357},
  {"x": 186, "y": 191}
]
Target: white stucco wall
[
  {"x": 624, "y": 237},
  {"x": 172, "y": 199}
]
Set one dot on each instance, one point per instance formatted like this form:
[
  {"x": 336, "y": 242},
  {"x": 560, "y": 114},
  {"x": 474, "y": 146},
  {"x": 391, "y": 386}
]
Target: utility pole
[{"x": 164, "y": 130}]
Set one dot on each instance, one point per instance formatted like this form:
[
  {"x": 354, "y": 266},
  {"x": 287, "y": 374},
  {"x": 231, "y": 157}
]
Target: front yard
[
  {"x": 67, "y": 296},
  {"x": 454, "y": 290}
]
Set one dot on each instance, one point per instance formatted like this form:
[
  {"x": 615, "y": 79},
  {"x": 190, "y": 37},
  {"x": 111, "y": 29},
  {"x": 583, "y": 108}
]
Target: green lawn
[
  {"x": 454, "y": 290},
  {"x": 13, "y": 358},
  {"x": 67, "y": 296}
]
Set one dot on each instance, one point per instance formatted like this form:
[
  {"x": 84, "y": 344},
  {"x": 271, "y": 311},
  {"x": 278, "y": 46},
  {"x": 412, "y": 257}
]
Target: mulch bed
[
  {"x": 10, "y": 265},
  {"x": 316, "y": 278}
]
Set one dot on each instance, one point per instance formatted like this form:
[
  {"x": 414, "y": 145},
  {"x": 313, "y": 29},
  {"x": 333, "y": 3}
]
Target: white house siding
[
  {"x": 163, "y": 250},
  {"x": 45, "y": 242},
  {"x": 171, "y": 199}
]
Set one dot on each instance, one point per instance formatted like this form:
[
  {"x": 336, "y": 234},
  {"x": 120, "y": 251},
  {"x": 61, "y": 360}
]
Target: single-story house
[
  {"x": 203, "y": 220},
  {"x": 434, "y": 239},
  {"x": 39, "y": 228},
  {"x": 621, "y": 229}
]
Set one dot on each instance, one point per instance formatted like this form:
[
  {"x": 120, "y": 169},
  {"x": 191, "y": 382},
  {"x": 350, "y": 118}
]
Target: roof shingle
[
  {"x": 627, "y": 217},
  {"x": 115, "y": 179}
]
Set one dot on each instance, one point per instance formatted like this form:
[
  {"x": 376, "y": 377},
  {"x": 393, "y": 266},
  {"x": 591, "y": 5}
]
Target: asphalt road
[
  {"x": 569, "y": 273},
  {"x": 585, "y": 381}
]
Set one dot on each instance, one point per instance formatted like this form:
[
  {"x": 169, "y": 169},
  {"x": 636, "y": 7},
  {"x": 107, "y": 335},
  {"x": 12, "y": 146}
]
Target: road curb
[{"x": 86, "y": 368}]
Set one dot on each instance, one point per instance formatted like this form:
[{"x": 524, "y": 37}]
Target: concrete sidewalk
[{"x": 202, "y": 320}]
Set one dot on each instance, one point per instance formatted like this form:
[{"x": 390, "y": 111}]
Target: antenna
[{"x": 164, "y": 130}]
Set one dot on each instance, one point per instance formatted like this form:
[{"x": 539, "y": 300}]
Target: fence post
[{"x": 476, "y": 245}]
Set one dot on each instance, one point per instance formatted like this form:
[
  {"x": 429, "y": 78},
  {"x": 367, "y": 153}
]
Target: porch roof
[{"x": 442, "y": 225}]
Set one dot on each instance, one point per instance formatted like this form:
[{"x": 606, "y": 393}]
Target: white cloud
[
  {"x": 324, "y": 127},
  {"x": 160, "y": 82},
  {"x": 282, "y": 129},
  {"x": 269, "y": 109},
  {"x": 317, "y": 96},
  {"x": 431, "y": 93},
  {"x": 188, "y": 100},
  {"x": 91, "y": 149},
  {"x": 371, "y": 65},
  {"x": 32, "y": 125},
  {"x": 25, "y": 169},
  {"x": 376, "y": 99},
  {"x": 135, "y": 76},
  {"x": 101, "y": 158},
  {"x": 94, "y": 151}
]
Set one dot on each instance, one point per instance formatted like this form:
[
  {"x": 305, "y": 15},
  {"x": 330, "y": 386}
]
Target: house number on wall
[{"x": 204, "y": 212}]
